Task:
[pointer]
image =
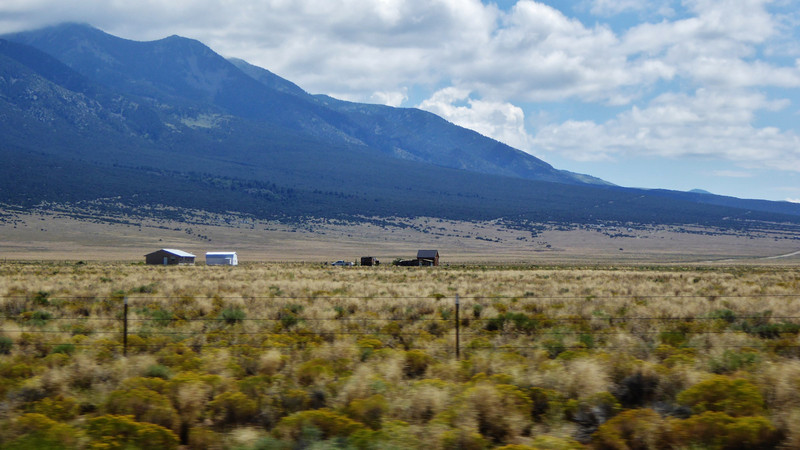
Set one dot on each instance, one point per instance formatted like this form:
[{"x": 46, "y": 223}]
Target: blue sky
[{"x": 675, "y": 94}]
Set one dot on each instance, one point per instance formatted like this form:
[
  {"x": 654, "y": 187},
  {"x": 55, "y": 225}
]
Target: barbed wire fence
[{"x": 509, "y": 330}]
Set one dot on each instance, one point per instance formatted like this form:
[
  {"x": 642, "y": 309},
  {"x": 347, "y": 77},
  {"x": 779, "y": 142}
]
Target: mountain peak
[
  {"x": 185, "y": 71},
  {"x": 185, "y": 127}
]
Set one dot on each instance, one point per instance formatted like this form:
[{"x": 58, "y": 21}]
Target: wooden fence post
[
  {"x": 125, "y": 327},
  {"x": 458, "y": 329}
]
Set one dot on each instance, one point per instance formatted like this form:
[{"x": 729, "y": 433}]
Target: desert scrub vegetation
[{"x": 303, "y": 356}]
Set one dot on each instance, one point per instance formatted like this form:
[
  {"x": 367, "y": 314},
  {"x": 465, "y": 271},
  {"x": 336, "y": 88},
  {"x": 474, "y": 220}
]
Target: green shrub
[
  {"x": 545, "y": 442},
  {"x": 674, "y": 338},
  {"x": 591, "y": 410},
  {"x": 416, "y": 363},
  {"x": 394, "y": 434},
  {"x": 294, "y": 400},
  {"x": 545, "y": 403},
  {"x": 369, "y": 411},
  {"x": 462, "y": 440},
  {"x": 41, "y": 298},
  {"x": 157, "y": 371},
  {"x": 731, "y": 360},
  {"x": 179, "y": 356},
  {"x": 144, "y": 405},
  {"x": 520, "y": 321},
  {"x": 587, "y": 341},
  {"x": 717, "y": 430},
  {"x": 162, "y": 317},
  {"x": 310, "y": 372},
  {"x": 66, "y": 349},
  {"x": 554, "y": 346},
  {"x": 288, "y": 319},
  {"x": 59, "y": 408},
  {"x": 232, "y": 316},
  {"x": 81, "y": 328},
  {"x": 719, "y": 393},
  {"x": 725, "y": 315},
  {"x": 37, "y": 431},
  {"x": 38, "y": 318},
  {"x": 232, "y": 408},
  {"x": 202, "y": 438},
  {"x": 771, "y": 330},
  {"x": 329, "y": 424},
  {"x": 760, "y": 325},
  {"x": 633, "y": 429},
  {"x": 6, "y": 343},
  {"x": 145, "y": 289},
  {"x": 115, "y": 432},
  {"x": 159, "y": 385},
  {"x": 500, "y": 412}
]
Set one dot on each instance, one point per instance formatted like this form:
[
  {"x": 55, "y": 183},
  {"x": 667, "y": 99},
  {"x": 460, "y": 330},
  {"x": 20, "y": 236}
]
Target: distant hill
[{"x": 85, "y": 115}]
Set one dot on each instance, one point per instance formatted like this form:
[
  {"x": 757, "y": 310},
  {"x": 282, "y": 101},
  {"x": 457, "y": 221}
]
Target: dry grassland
[
  {"x": 297, "y": 355},
  {"x": 52, "y": 236}
]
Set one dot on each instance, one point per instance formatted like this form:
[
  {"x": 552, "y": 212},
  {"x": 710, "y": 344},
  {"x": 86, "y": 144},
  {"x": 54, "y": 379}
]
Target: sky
[{"x": 673, "y": 94}]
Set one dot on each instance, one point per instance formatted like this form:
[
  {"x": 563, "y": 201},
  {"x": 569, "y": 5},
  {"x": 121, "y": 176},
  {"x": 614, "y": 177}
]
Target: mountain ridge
[
  {"x": 173, "y": 120},
  {"x": 143, "y": 69}
]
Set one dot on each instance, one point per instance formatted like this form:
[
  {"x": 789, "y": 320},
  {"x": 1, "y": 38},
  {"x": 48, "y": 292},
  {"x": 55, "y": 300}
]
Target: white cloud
[
  {"x": 539, "y": 54},
  {"x": 533, "y": 52},
  {"x": 793, "y": 200},
  {"x": 394, "y": 98},
  {"x": 359, "y": 47},
  {"x": 710, "y": 124},
  {"x": 719, "y": 45},
  {"x": 501, "y": 121}
]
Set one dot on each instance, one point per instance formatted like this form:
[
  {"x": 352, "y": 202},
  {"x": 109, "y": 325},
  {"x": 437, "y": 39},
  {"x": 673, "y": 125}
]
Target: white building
[{"x": 222, "y": 259}]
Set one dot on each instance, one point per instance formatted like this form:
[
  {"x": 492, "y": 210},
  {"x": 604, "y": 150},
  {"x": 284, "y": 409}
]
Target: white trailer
[{"x": 222, "y": 259}]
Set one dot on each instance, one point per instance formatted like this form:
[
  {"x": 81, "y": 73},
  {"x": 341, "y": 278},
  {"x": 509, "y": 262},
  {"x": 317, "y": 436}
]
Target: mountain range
[{"x": 86, "y": 116}]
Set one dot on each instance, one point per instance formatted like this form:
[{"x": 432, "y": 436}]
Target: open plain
[
  {"x": 302, "y": 355},
  {"x": 553, "y": 336},
  {"x": 48, "y": 235}
]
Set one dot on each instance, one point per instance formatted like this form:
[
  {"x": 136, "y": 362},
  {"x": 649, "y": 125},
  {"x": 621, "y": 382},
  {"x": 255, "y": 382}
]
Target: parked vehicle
[{"x": 342, "y": 262}]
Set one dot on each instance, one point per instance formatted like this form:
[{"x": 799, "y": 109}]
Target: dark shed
[
  {"x": 168, "y": 257},
  {"x": 369, "y": 261},
  {"x": 428, "y": 257}
]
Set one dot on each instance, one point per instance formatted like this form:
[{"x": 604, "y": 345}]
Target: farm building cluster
[
  {"x": 424, "y": 258},
  {"x": 172, "y": 257}
]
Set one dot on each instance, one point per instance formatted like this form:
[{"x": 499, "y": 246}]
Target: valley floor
[
  {"x": 49, "y": 235},
  {"x": 287, "y": 355}
]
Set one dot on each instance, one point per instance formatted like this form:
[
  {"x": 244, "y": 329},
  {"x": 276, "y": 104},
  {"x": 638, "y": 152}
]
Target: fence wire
[{"x": 450, "y": 331}]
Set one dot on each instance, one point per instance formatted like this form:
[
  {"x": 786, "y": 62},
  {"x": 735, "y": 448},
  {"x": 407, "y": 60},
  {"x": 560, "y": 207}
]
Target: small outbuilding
[
  {"x": 369, "y": 261},
  {"x": 169, "y": 257},
  {"x": 428, "y": 257},
  {"x": 407, "y": 262},
  {"x": 222, "y": 259}
]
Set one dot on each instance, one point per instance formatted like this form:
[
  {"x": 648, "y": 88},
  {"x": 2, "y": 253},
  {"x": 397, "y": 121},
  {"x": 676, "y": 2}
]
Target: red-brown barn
[{"x": 428, "y": 257}]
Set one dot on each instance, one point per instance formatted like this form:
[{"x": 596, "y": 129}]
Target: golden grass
[{"x": 545, "y": 350}]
